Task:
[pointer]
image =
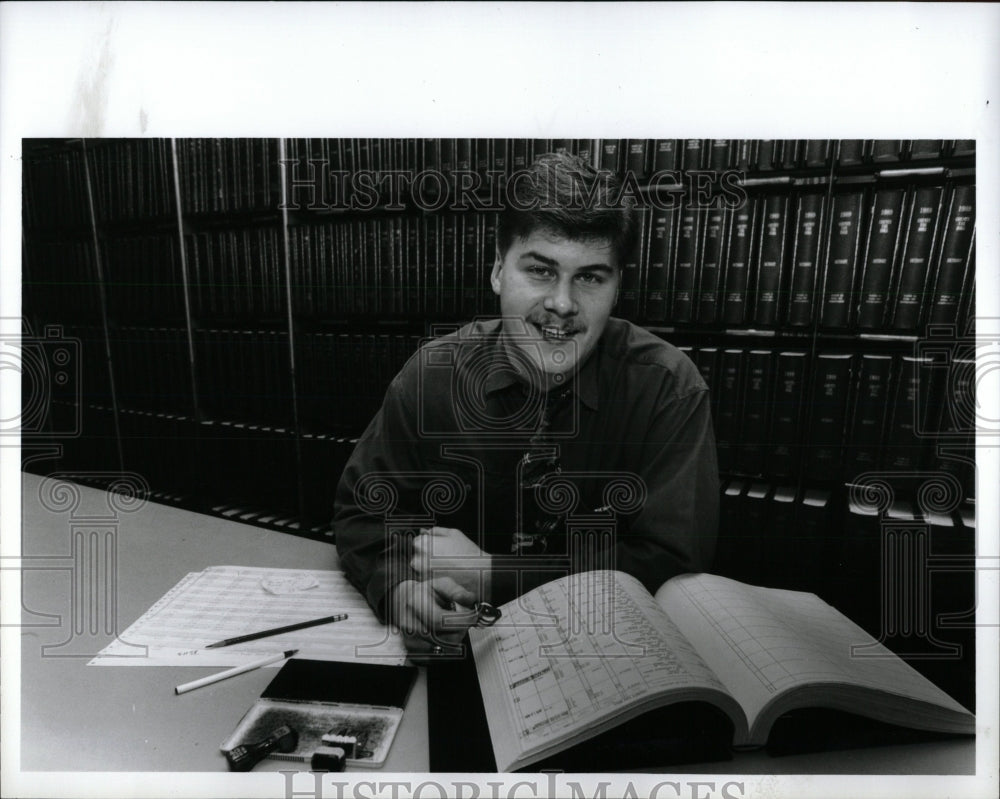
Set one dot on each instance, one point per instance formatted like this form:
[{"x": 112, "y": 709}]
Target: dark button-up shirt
[{"x": 638, "y": 483}]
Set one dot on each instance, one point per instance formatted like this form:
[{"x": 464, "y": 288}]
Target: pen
[
  {"x": 225, "y": 675},
  {"x": 277, "y": 630}
]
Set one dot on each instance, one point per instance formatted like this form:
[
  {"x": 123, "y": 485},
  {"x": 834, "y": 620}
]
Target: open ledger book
[{"x": 585, "y": 653}]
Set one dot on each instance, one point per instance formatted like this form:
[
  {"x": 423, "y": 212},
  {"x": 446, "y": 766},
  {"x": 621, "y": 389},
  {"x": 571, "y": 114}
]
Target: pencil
[
  {"x": 225, "y": 675},
  {"x": 277, "y": 631}
]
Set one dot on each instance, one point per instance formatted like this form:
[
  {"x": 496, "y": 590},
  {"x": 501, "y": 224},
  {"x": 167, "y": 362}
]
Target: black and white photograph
[{"x": 381, "y": 419}]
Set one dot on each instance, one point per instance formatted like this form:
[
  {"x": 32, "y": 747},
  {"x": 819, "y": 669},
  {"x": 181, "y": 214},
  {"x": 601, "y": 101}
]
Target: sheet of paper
[{"x": 228, "y": 601}]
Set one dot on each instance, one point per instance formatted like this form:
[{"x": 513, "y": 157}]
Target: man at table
[{"x": 492, "y": 440}]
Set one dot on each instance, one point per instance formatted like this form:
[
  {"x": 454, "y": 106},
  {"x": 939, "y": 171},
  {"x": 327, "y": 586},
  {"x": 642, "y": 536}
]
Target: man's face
[{"x": 556, "y": 295}]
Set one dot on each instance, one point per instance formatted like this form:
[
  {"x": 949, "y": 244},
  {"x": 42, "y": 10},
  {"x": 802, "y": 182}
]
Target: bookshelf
[{"x": 238, "y": 307}]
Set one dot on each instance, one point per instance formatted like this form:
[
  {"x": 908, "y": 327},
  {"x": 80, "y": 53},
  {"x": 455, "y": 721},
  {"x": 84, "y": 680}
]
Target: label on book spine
[{"x": 829, "y": 411}]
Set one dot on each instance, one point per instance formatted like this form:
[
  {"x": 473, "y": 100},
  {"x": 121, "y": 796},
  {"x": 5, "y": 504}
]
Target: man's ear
[{"x": 495, "y": 275}]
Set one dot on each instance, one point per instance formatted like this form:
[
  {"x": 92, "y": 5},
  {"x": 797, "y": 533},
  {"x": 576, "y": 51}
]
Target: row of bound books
[
  {"x": 838, "y": 415},
  {"x": 641, "y": 158},
  {"x": 883, "y": 258}
]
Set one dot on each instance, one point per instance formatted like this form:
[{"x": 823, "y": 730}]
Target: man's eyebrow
[{"x": 537, "y": 256}]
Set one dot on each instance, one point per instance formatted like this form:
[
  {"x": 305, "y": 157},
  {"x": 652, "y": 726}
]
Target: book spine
[
  {"x": 842, "y": 256},
  {"x": 720, "y": 154},
  {"x": 629, "y": 305},
  {"x": 692, "y": 154},
  {"x": 611, "y": 155},
  {"x": 489, "y": 256},
  {"x": 786, "y": 432},
  {"x": 883, "y": 237},
  {"x": 922, "y": 149},
  {"x": 520, "y": 154},
  {"x": 771, "y": 259},
  {"x": 711, "y": 264},
  {"x": 707, "y": 361},
  {"x": 914, "y": 267},
  {"x": 829, "y": 410},
  {"x": 868, "y": 416},
  {"x": 637, "y": 161},
  {"x": 808, "y": 225},
  {"x": 664, "y": 155},
  {"x": 851, "y": 152},
  {"x": 432, "y": 264},
  {"x": 661, "y": 243},
  {"x": 471, "y": 267},
  {"x": 756, "y": 410},
  {"x": 766, "y": 155},
  {"x": 886, "y": 150},
  {"x": 450, "y": 293},
  {"x": 817, "y": 153},
  {"x": 727, "y": 423},
  {"x": 685, "y": 263},
  {"x": 737, "y": 277},
  {"x": 906, "y": 436},
  {"x": 953, "y": 263},
  {"x": 413, "y": 261}
]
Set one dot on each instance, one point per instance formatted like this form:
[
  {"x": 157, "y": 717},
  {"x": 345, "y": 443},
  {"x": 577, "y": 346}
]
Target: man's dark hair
[{"x": 564, "y": 194}]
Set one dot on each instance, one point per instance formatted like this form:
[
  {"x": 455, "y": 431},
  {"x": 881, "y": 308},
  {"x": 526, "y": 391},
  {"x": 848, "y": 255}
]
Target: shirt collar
[{"x": 585, "y": 385}]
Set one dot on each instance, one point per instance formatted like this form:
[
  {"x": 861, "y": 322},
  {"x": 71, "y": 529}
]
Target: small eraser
[
  {"x": 346, "y": 742},
  {"x": 328, "y": 758}
]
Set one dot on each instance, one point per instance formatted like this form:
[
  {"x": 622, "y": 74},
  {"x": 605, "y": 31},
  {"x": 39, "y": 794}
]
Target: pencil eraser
[
  {"x": 348, "y": 743},
  {"x": 328, "y": 758}
]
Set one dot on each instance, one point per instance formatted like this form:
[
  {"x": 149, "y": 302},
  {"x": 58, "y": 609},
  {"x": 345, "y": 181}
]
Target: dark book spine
[
  {"x": 501, "y": 157},
  {"x": 488, "y": 240},
  {"x": 586, "y": 150},
  {"x": 808, "y": 226},
  {"x": 727, "y": 421},
  {"x": 829, "y": 411},
  {"x": 720, "y": 154},
  {"x": 611, "y": 155},
  {"x": 841, "y": 262},
  {"x": 851, "y": 152},
  {"x": 868, "y": 416},
  {"x": 786, "y": 432},
  {"x": 963, "y": 148},
  {"x": 692, "y": 155},
  {"x": 661, "y": 243},
  {"x": 432, "y": 264},
  {"x": 771, "y": 259},
  {"x": 914, "y": 267},
  {"x": 883, "y": 237},
  {"x": 923, "y": 149},
  {"x": 905, "y": 439},
  {"x": 630, "y": 301},
  {"x": 471, "y": 267},
  {"x": 714, "y": 237},
  {"x": 756, "y": 410},
  {"x": 664, "y": 155},
  {"x": 412, "y": 264},
  {"x": 791, "y": 153},
  {"x": 766, "y": 155},
  {"x": 707, "y": 361},
  {"x": 450, "y": 292},
  {"x": 817, "y": 153},
  {"x": 953, "y": 263},
  {"x": 685, "y": 263},
  {"x": 886, "y": 150},
  {"x": 520, "y": 154},
  {"x": 637, "y": 160},
  {"x": 737, "y": 277}
]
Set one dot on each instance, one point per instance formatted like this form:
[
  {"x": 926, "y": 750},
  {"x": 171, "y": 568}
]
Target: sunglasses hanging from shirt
[{"x": 537, "y": 523}]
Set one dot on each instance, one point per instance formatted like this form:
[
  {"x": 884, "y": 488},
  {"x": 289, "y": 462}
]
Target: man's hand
[
  {"x": 447, "y": 552},
  {"x": 422, "y": 612}
]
